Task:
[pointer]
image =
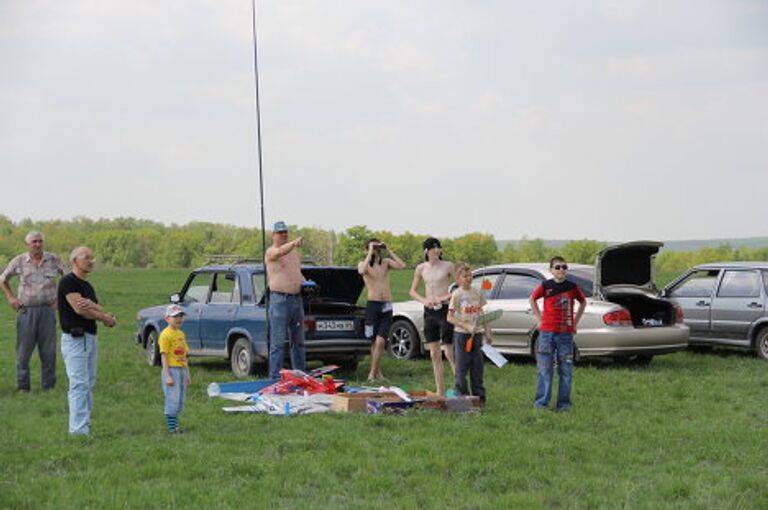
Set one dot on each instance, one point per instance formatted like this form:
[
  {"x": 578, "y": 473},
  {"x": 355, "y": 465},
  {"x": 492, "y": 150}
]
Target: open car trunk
[
  {"x": 624, "y": 275},
  {"x": 338, "y": 289},
  {"x": 647, "y": 311}
]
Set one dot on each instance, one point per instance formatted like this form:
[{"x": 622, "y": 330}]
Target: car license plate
[{"x": 335, "y": 325}]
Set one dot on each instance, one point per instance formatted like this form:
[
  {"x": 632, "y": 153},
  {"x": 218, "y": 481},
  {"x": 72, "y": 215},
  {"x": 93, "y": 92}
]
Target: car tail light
[
  {"x": 310, "y": 325},
  {"x": 679, "y": 315},
  {"x": 618, "y": 318}
]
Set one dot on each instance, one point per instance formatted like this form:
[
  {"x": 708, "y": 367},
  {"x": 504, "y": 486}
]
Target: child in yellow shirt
[{"x": 175, "y": 375}]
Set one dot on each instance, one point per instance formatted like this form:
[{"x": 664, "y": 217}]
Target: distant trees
[
  {"x": 130, "y": 242},
  {"x": 475, "y": 248},
  {"x": 582, "y": 252},
  {"x": 679, "y": 261}
]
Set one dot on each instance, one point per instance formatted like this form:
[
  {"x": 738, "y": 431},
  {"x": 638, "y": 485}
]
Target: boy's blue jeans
[
  {"x": 551, "y": 345},
  {"x": 176, "y": 394},
  {"x": 79, "y": 355},
  {"x": 286, "y": 316}
]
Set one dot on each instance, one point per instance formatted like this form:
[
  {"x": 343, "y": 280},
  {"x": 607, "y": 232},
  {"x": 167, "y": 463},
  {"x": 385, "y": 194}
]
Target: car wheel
[
  {"x": 403, "y": 341},
  {"x": 152, "y": 349},
  {"x": 242, "y": 358},
  {"x": 761, "y": 344}
]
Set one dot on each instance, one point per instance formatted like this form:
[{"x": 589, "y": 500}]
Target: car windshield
[{"x": 584, "y": 278}]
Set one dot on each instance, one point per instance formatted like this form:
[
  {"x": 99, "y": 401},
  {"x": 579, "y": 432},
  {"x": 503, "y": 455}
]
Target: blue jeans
[
  {"x": 286, "y": 322},
  {"x": 176, "y": 394},
  {"x": 79, "y": 355},
  {"x": 551, "y": 345}
]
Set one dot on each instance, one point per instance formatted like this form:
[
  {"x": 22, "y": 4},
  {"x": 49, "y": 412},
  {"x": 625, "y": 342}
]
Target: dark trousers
[
  {"x": 471, "y": 362},
  {"x": 36, "y": 326}
]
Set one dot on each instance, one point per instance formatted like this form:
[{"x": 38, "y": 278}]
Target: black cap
[{"x": 431, "y": 242}]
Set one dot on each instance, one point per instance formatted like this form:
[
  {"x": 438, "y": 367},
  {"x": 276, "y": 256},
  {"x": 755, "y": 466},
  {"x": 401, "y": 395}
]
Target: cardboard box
[
  {"x": 384, "y": 402},
  {"x": 463, "y": 404},
  {"x": 431, "y": 402},
  {"x": 356, "y": 402}
]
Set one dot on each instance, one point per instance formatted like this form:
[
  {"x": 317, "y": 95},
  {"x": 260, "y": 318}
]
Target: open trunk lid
[
  {"x": 339, "y": 284},
  {"x": 626, "y": 266}
]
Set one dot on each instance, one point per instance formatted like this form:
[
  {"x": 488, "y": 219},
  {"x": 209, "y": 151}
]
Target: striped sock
[{"x": 171, "y": 422}]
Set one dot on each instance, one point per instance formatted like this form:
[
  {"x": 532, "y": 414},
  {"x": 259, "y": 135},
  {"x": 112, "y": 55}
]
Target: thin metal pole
[{"x": 261, "y": 167}]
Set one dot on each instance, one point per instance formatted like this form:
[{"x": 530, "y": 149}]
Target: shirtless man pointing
[
  {"x": 286, "y": 308},
  {"x": 378, "y": 313},
  {"x": 437, "y": 275}
]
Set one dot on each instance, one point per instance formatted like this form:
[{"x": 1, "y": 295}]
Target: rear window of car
[{"x": 740, "y": 284}]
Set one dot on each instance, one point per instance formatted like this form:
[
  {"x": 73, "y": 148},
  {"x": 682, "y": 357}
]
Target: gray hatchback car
[{"x": 724, "y": 303}]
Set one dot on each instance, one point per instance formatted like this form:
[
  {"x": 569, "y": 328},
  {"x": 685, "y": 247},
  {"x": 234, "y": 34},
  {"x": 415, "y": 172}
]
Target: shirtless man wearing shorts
[
  {"x": 437, "y": 275},
  {"x": 378, "y": 313}
]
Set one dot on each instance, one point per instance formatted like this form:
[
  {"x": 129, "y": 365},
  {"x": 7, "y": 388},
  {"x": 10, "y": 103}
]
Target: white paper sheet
[{"x": 494, "y": 355}]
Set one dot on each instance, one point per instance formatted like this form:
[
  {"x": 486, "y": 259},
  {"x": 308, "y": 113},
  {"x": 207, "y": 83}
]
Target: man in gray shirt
[{"x": 35, "y": 306}]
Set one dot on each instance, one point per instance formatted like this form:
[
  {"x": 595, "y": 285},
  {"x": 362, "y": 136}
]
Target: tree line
[{"x": 137, "y": 243}]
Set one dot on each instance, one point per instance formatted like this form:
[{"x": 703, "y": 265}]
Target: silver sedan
[{"x": 624, "y": 316}]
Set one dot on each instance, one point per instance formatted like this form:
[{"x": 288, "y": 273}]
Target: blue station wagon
[{"x": 225, "y": 307}]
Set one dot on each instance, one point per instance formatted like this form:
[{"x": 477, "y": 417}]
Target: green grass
[{"x": 687, "y": 432}]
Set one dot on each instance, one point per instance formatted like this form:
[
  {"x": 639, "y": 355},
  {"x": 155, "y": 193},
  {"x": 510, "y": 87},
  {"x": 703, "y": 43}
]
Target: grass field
[{"x": 689, "y": 431}]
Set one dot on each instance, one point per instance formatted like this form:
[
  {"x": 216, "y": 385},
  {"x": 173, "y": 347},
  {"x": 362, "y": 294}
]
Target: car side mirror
[{"x": 174, "y": 298}]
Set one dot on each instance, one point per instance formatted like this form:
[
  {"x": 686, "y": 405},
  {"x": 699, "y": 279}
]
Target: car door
[
  {"x": 737, "y": 304},
  {"x": 512, "y": 331},
  {"x": 218, "y": 315},
  {"x": 694, "y": 295},
  {"x": 193, "y": 301}
]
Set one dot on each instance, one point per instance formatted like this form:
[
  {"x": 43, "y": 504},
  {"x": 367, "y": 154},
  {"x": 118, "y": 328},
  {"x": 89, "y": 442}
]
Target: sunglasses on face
[{"x": 558, "y": 267}]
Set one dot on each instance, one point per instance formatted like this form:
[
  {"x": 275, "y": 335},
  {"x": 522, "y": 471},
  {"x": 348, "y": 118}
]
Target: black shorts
[
  {"x": 378, "y": 319},
  {"x": 437, "y": 327}
]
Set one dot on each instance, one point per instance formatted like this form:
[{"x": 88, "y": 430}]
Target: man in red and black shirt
[{"x": 557, "y": 325}]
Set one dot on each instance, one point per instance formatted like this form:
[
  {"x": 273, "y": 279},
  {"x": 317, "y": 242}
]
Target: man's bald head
[{"x": 82, "y": 260}]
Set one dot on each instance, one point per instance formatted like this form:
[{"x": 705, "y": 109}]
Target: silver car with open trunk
[{"x": 624, "y": 316}]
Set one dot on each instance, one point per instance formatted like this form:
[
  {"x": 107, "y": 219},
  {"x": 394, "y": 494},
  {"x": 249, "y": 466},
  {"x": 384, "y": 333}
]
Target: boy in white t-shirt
[{"x": 465, "y": 307}]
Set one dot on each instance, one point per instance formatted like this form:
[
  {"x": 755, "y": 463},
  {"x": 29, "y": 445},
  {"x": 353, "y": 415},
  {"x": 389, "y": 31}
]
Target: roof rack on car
[{"x": 231, "y": 259}]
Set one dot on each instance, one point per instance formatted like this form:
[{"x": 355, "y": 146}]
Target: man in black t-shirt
[{"x": 79, "y": 310}]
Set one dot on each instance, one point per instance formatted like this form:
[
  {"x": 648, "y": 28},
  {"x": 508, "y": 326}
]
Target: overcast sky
[{"x": 610, "y": 120}]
